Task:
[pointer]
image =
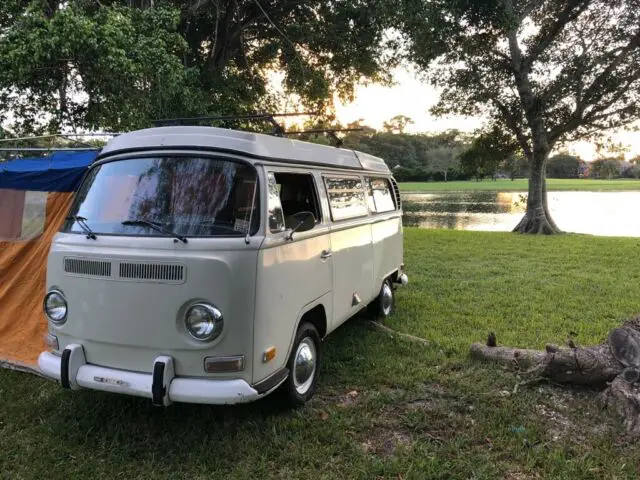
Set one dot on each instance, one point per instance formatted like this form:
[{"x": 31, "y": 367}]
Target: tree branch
[
  {"x": 514, "y": 125},
  {"x": 596, "y": 85},
  {"x": 570, "y": 12},
  {"x": 578, "y": 117},
  {"x": 521, "y": 75}
]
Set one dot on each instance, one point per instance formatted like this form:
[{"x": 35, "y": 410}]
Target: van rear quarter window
[{"x": 381, "y": 198}]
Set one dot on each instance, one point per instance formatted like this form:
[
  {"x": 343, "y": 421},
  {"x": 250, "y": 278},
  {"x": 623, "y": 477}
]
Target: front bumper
[{"x": 161, "y": 386}]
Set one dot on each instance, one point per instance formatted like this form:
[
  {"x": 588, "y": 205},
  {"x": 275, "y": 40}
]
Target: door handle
[{"x": 325, "y": 254}]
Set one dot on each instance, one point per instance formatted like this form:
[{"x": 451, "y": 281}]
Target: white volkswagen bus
[{"x": 206, "y": 265}]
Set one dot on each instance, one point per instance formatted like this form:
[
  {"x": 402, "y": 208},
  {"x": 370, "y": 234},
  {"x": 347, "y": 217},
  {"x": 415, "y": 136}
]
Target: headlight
[
  {"x": 55, "y": 307},
  {"x": 204, "y": 322}
]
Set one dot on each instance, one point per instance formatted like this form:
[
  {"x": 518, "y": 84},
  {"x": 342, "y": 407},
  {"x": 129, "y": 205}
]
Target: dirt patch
[
  {"x": 386, "y": 443},
  {"x": 333, "y": 399},
  {"x": 519, "y": 476},
  {"x": 567, "y": 418}
]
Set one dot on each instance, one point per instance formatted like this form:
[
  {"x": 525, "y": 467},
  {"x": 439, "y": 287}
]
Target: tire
[
  {"x": 384, "y": 304},
  {"x": 301, "y": 383}
]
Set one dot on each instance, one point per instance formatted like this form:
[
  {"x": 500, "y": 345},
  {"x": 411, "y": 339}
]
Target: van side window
[
  {"x": 380, "y": 197},
  {"x": 295, "y": 193},
  {"x": 346, "y": 198},
  {"x": 275, "y": 215}
]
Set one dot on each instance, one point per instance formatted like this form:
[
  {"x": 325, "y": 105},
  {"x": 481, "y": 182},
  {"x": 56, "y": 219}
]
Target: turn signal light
[
  {"x": 51, "y": 341},
  {"x": 269, "y": 354},
  {"x": 224, "y": 364}
]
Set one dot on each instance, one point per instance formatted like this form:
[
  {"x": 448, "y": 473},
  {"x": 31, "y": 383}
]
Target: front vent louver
[
  {"x": 92, "y": 268},
  {"x": 152, "y": 271}
]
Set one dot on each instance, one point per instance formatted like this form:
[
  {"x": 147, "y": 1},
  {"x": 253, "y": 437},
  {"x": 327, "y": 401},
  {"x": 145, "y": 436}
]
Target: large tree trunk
[{"x": 537, "y": 219}]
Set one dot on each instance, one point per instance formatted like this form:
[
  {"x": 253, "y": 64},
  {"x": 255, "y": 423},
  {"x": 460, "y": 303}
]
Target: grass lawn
[
  {"x": 386, "y": 407},
  {"x": 521, "y": 184}
]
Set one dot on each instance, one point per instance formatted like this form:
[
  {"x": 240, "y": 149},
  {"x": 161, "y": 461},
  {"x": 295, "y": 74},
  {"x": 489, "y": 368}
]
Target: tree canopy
[
  {"x": 546, "y": 71},
  {"x": 118, "y": 64}
]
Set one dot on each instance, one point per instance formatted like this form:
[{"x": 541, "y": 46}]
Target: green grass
[
  {"x": 418, "y": 412},
  {"x": 554, "y": 184}
]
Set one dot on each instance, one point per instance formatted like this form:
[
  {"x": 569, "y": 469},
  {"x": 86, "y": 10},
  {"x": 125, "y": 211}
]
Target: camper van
[{"x": 206, "y": 265}]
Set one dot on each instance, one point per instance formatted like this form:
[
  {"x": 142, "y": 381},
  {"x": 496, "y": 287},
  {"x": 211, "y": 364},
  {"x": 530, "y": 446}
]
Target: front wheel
[{"x": 303, "y": 365}]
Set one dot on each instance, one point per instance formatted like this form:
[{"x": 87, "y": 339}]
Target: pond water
[{"x": 596, "y": 213}]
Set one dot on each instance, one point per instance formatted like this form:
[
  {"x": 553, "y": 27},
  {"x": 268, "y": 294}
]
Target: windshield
[{"x": 189, "y": 196}]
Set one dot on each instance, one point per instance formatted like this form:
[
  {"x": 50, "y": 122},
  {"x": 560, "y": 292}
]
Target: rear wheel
[
  {"x": 303, "y": 365},
  {"x": 384, "y": 303}
]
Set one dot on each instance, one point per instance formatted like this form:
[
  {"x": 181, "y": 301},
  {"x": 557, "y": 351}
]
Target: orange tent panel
[{"x": 23, "y": 268}]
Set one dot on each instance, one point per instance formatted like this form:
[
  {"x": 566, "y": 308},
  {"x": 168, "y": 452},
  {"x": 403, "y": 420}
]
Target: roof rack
[
  {"x": 278, "y": 130},
  {"x": 331, "y": 132}
]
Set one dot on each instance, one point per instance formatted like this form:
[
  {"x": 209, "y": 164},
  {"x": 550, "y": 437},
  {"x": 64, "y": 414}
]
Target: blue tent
[{"x": 59, "y": 172}]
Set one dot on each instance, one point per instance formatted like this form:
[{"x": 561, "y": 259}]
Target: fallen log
[
  {"x": 614, "y": 365},
  {"x": 582, "y": 366}
]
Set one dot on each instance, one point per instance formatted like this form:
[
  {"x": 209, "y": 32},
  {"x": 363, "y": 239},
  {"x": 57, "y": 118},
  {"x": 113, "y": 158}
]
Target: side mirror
[{"x": 303, "y": 222}]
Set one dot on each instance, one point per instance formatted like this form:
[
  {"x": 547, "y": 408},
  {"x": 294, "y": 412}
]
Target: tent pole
[{"x": 42, "y": 149}]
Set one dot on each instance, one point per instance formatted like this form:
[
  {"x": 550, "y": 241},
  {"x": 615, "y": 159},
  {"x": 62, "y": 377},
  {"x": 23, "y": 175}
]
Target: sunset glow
[{"x": 375, "y": 104}]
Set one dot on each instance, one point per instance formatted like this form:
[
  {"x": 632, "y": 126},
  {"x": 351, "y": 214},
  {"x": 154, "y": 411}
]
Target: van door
[
  {"x": 294, "y": 274},
  {"x": 351, "y": 246}
]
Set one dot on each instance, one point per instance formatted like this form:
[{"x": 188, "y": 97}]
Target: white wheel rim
[
  {"x": 387, "y": 299},
  {"x": 304, "y": 365}
]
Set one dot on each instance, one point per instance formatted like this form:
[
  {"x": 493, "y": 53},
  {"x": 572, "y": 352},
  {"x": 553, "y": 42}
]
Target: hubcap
[
  {"x": 387, "y": 299},
  {"x": 304, "y": 366}
]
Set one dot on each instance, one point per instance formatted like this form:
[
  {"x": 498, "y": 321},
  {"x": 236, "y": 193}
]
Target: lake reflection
[{"x": 596, "y": 213}]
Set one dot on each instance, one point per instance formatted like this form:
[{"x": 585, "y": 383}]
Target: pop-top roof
[{"x": 255, "y": 145}]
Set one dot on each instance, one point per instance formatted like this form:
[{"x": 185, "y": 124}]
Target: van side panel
[
  {"x": 291, "y": 279},
  {"x": 387, "y": 247},
  {"x": 353, "y": 268}
]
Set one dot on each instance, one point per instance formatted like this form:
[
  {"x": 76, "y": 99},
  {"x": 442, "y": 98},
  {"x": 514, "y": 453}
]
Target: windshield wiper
[
  {"x": 155, "y": 226},
  {"x": 83, "y": 225}
]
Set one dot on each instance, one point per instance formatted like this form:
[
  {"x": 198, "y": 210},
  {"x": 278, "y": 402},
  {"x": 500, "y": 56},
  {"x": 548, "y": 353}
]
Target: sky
[{"x": 409, "y": 96}]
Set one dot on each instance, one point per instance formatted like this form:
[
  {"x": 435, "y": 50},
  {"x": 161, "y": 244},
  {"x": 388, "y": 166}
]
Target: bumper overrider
[{"x": 161, "y": 386}]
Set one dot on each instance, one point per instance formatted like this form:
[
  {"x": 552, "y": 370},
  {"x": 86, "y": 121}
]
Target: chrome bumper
[{"x": 161, "y": 386}]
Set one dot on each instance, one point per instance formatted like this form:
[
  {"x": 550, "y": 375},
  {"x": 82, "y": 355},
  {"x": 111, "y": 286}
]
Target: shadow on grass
[{"x": 130, "y": 432}]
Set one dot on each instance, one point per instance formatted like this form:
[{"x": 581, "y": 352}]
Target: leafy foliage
[
  {"x": 606, "y": 168},
  {"x": 565, "y": 165},
  {"x": 397, "y": 124},
  {"x": 490, "y": 150},
  {"x": 117, "y": 64}
]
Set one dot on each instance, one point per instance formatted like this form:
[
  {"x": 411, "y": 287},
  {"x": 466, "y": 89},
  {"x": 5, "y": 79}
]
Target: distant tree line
[{"x": 455, "y": 155}]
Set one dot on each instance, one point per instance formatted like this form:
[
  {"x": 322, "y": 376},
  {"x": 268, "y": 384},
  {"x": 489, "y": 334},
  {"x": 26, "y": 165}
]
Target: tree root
[
  {"x": 614, "y": 365},
  {"x": 392, "y": 332},
  {"x": 537, "y": 224}
]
